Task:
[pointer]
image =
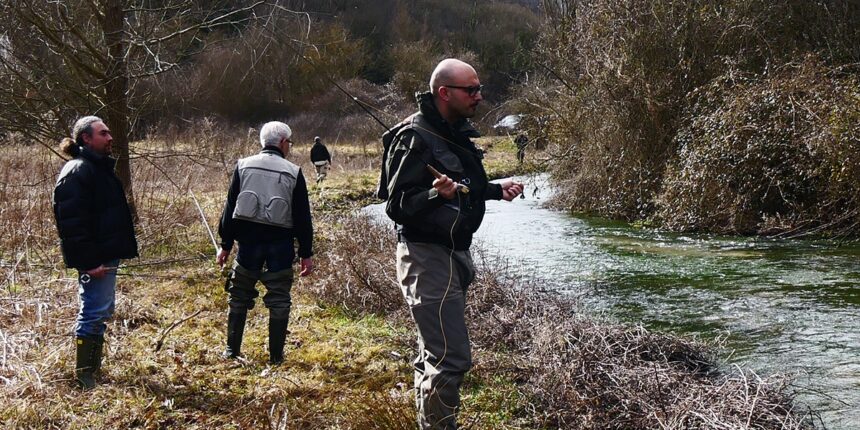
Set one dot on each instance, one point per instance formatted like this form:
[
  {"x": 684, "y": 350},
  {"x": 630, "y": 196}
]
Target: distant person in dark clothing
[
  {"x": 96, "y": 231},
  {"x": 321, "y": 159},
  {"x": 521, "y": 141},
  {"x": 267, "y": 209}
]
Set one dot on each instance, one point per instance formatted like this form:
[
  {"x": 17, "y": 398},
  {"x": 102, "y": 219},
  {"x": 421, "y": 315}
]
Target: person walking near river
[
  {"x": 521, "y": 142},
  {"x": 96, "y": 230},
  {"x": 435, "y": 185},
  {"x": 267, "y": 209}
]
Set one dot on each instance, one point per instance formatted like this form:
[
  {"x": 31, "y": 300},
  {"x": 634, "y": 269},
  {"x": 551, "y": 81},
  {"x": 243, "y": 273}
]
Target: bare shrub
[
  {"x": 338, "y": 115},
  {"x": 415, "y": 61},
  {"x": 358, "y": 267},
  {"x": 778, "y": 153},
  {"x": 579, "y": 372},
  {"x": 622, "y": 72}
]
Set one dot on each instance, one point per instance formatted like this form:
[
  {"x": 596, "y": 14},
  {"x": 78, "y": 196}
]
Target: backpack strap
[{"x": 390, "y": 140}]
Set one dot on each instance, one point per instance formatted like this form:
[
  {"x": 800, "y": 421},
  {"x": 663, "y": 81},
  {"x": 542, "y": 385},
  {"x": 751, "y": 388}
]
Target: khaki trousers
[{"x": 434, "y": 280}]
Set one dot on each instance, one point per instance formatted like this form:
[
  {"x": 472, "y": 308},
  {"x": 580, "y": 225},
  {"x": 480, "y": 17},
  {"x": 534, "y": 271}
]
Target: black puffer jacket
[
  {"x": 92, "y": 214},
  {"x": 320, "y": 153},
  {"x": 421, "y": 215}
]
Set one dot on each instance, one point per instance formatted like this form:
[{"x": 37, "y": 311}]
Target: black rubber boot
[
  {"x": 277, "y": 338},
  {"x": 98, "y": 352},
  {"x": 235, "y": 330},
  {"x": 85, "y": 361}
]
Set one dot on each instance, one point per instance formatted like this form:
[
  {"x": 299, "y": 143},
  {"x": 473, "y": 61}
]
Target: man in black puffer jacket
[{"x": 96, "y": 231}]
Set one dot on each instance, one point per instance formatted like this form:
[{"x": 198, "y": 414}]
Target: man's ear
[{"x": 443, "y": 93}]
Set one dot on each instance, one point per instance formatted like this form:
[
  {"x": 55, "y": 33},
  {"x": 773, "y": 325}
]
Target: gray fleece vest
[{"x": 266, "y": 184}]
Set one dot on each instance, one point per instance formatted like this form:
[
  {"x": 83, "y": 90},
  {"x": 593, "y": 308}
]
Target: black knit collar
[{"x": 272, "y": 149}]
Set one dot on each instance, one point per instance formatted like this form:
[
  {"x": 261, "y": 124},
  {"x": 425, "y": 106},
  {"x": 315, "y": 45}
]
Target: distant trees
[
  {"x": 143, "y": 63},
  {"x": 500, "y": 34},
  {"x": 232, "y": 58},
  {"x": 271, "y": 70}
]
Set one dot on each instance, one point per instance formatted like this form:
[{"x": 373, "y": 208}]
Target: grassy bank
[{"x": 539, "y": 363}]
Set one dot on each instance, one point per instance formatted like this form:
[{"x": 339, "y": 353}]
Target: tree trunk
[{"x": 116, "y": 93}]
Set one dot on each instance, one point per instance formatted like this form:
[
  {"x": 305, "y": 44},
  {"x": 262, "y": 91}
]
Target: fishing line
[{"x": 450, "y": 282}]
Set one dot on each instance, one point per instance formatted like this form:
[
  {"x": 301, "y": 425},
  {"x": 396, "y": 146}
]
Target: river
[{"x": 783, "y": 306}]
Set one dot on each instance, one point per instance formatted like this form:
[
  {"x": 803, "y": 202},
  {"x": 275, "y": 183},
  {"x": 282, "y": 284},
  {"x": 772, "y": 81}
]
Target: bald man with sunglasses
[{"x": 436, "y": 187}]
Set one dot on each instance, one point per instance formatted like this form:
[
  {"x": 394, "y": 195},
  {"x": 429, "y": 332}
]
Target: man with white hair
[
  {"x": 435, "y": 185},
  {"x": 267, "y": 209}
]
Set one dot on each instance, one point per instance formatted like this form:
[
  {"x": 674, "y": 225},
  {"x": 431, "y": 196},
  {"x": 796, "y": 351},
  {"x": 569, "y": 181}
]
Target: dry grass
[
  {"x": 539, "y": 364},
  {"x": 335, "y": 361},
  {"x": 568, "y": 369}
]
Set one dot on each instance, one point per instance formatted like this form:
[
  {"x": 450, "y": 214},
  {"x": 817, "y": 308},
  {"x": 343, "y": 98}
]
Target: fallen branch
[{"x": 175, "y": 324}]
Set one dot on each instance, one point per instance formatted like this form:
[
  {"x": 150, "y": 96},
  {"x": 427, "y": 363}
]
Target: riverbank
[{"x": 539, "y": 362}]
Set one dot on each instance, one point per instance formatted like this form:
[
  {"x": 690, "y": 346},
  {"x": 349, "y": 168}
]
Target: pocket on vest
[
  {"x": 277, "y": 211},
  {"x": 247, "y": 205}
]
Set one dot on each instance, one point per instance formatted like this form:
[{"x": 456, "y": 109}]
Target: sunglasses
[{"x": 472, "y": 90}]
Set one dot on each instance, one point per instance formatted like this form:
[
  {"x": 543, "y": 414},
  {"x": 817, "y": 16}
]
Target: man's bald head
[
  {"x": 448, "y": 72},
  {"x": 456, "y": 90}
]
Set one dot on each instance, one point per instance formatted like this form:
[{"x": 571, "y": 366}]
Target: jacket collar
[
  {"x": 268, "y": 149},
  {"x": 428, "y": 108},
  {"x": 96, "y": 158}
]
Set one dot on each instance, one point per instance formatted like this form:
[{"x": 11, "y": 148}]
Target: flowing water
[{"x": 789, "y": 306}]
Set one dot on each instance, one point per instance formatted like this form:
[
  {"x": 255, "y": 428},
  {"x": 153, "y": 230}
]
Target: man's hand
[
  {"x": 445, "y": 187},
  {"x": 307, "y": 266},
  {"x": 98, "y": 272},
  {"x": 511, "y": 189},
  {"x": 222, "y": 256}
]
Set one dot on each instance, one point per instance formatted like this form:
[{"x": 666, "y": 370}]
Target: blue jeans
[{"x": 97, "y": 297}]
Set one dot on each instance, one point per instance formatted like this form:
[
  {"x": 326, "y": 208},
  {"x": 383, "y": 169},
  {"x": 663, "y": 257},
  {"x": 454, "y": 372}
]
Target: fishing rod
[
  {"x": 436, "y": 174},
  {"x": 333, "y": 82},
  {"x": 205, "y": 223}
]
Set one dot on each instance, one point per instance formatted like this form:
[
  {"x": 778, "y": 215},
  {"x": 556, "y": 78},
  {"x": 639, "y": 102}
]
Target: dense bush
[
  {"x": 262, "y": 74},
  {"x": 769, "y": 154},
  {"x": 619, "y": 76}
]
